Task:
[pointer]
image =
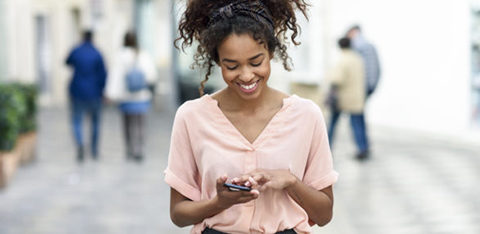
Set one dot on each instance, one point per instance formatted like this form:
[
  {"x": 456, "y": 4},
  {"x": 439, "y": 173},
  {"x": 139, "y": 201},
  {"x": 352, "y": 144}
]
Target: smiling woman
[{"x": 247, "y": 134}]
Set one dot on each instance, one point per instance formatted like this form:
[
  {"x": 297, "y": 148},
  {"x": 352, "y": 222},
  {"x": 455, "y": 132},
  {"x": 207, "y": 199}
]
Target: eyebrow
[{"x": 234, "y": 61}]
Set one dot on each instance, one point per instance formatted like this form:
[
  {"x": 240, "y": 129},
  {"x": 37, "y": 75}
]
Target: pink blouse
[{"x": 205, "y": 145}]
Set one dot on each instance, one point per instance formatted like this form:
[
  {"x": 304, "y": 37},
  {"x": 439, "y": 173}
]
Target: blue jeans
[
  {"x": 357, "y": 122},
  {"x": 78, "y": 109}
]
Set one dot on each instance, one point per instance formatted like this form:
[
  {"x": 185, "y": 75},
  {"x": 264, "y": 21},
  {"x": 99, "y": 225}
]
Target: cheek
[
  {"x": 264, "y": 70},
  {"x": 227, "y": 75}
]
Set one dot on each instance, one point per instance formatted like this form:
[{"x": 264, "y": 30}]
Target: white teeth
[{"x": 248, "y": 86}]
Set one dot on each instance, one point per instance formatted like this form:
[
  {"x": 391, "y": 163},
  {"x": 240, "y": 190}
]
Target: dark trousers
[
  {"x": 78, "y": 109},
  {"x": 133, "y": 125},
  {"x": 357, "y": 122},
  {"x": 213, "y": 231}
]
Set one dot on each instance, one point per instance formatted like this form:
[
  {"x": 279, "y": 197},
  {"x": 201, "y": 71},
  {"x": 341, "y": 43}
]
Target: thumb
[{"x": 222, "y": 179}]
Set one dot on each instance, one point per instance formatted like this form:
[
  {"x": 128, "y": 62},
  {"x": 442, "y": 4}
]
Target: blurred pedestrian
[
  {"x": 86, "y": 91},
  {"x": 273, "y": 145},
  {"x": 372, "y": 71},
  {"x": 129, "y": 84},
  {"x": 347, "y": 95},
  {"x": 369, "y": 55}
]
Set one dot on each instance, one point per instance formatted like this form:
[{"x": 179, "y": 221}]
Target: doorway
[{"x": 43, "y": 55}]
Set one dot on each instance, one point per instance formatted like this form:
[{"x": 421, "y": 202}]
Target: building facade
[
  {"x": 40, "y": 33},
  {"x": 427, "y": 49}
]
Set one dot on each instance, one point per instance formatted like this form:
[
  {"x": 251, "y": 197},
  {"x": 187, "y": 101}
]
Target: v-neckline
[{"x": 262, "y": 134}]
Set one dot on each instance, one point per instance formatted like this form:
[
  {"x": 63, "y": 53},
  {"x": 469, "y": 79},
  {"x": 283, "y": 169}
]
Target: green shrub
[
  {"x": 17, "y": 112},
  {"x": 28, "y": 121}
]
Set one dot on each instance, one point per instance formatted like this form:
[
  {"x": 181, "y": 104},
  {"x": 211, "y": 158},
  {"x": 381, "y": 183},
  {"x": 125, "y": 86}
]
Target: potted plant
[
  {"x": 11, "y": 107},
  {"x": 17, "y": 127},
  {"x": 27, "y": 122}
]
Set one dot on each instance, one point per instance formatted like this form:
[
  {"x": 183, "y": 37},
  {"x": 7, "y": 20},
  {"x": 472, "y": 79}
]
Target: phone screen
[{"x": 234, "y": 187}]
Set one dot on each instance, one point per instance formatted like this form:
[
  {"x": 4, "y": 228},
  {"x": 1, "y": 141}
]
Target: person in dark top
[{"x": 86, "y": 91}]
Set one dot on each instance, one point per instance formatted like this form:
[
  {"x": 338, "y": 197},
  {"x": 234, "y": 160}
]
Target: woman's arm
[
  {"x": 317, "y": 203},
  {"x": 184, "y": 211}
]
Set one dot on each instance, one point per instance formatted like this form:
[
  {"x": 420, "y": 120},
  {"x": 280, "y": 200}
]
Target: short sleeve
[
  {"x": 182, "y": 173},
  {"x": 319, "y": 172}
]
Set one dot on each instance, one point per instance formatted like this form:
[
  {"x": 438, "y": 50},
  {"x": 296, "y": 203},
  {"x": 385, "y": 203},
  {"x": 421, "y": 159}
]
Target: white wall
[
  {"x": 3, "y": 40},
  {"x": 18, "y": 24},
  {"x": 424, "y": 51}
]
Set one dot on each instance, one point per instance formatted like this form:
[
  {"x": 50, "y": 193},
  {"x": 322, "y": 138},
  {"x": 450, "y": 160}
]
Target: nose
[{"x": 246, "y": 75}]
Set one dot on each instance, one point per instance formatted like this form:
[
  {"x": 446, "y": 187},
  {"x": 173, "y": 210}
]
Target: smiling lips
[{"x": 248, "y": 88}]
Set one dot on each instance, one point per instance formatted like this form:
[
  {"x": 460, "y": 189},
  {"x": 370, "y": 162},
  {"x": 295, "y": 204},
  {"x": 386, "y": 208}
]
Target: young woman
[
  {"x": 134, "y": 106},
  {"x": 247, "y": 134}
]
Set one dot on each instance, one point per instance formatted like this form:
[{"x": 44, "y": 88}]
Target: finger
[
  {"x": 253, "y": 184},
  {"x": 252, "y": 181},
  {"x": 260, "y": 178},
  {"x": 265, "y": 186},
  {"x": 222, "y": 179},
  {"x": 240, "y": 180},
  {"x": 234, "y": 180}
]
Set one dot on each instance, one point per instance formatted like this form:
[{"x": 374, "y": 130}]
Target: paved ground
[{"x": 413, "y": 184}]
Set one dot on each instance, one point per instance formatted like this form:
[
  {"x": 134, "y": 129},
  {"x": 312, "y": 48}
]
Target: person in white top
[{"x": 134, "y": 104}]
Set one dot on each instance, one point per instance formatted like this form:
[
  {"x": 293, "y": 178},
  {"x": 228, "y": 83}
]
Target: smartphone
[{"x": 234, "y": 187}]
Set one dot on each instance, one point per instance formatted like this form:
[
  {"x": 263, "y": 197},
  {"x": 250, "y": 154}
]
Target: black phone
[{"x": 234, "y": 187}]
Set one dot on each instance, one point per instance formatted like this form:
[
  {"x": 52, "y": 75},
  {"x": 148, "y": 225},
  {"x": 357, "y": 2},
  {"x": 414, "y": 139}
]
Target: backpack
[{"x": 135, "y": 78}]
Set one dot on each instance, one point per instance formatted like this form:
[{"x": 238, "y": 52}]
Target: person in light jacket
[
  {"x": 348, "y": 90},
  {"x": 133, "y": 105}
]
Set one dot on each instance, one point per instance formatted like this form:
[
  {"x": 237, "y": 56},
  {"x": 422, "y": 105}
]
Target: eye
[
  {"x": 231, "y": 68},
  {"x": 256, "y": 64}
]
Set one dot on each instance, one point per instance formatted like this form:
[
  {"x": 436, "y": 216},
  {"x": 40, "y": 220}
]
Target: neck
[{"x": 236, "y": 103}]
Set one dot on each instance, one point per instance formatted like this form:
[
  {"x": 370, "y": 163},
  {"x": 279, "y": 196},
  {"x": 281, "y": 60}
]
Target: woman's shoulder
[
  {"x": 194, "y": 107},
  {"x": 303, "y": 105}
]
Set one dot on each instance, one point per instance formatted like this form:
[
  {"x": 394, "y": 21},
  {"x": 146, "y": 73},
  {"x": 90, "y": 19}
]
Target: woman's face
[{"x": 245, "y": 65}]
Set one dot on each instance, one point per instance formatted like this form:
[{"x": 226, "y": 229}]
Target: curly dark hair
[{"x": 198, "y": 24}]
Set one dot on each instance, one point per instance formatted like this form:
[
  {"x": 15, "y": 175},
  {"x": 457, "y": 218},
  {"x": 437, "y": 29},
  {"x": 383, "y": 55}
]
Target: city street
[{"x": 414, "y": 183}]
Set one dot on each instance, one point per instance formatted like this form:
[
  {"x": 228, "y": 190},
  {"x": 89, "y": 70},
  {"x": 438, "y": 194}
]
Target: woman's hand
[
  {"x": 263, "y": 179},
  {"x": 317, "y": 203},
  {"x": 226, "y": 198}
]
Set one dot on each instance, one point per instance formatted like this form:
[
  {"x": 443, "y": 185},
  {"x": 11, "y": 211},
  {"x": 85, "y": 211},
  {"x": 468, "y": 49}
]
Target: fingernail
[{"x": 255, "y": 191}]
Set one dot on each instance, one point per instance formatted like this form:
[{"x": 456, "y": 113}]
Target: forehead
[{"x": 239, "y": 47}]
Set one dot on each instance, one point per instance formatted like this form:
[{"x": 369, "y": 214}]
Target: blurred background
[{"x": 423, "y": 120}]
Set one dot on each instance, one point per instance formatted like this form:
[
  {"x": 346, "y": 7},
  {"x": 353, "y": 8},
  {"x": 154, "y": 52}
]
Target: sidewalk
[
  {"x": 55, "y": 195},
  {"x": 413, "y": 184}
]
